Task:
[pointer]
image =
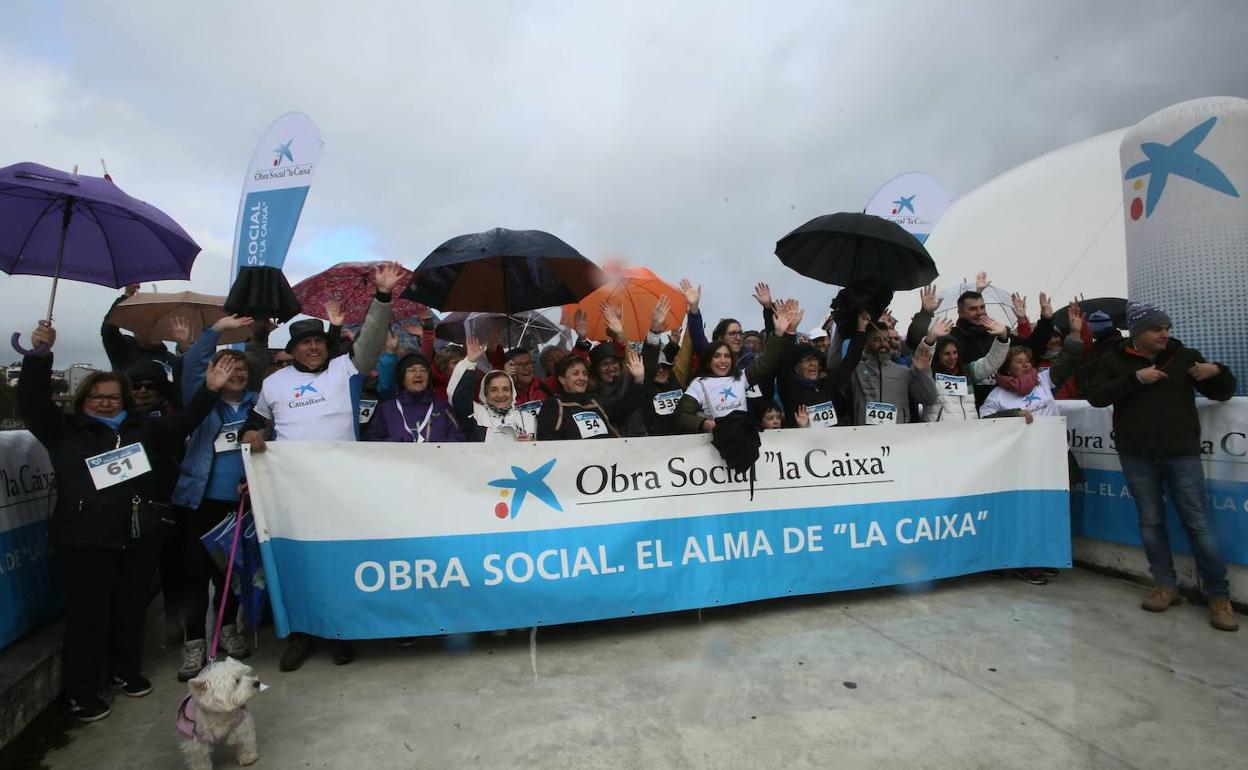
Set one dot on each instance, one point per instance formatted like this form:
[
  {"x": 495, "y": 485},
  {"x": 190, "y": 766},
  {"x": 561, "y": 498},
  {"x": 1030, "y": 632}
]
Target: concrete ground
[{"x": 979, "y": 672}]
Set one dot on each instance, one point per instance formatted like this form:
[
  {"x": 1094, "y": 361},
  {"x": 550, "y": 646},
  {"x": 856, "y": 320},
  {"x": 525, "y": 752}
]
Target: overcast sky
[{"x": 687, "y": 137}]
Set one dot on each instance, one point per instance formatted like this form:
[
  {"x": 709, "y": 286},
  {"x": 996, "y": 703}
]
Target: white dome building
[{"x": 1053, "y": 224}]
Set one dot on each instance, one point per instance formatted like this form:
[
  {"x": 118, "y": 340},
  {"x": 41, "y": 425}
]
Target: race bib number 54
[
  {"x": 590, "y": 424},
  {"x": 119, "y": 465}
]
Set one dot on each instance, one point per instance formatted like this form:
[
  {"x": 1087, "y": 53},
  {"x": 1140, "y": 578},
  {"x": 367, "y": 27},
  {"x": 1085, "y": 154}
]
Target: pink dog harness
[{"x": 186, "y": 720}]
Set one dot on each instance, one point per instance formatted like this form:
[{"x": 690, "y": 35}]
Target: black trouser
[
  {"x": 198, "y": 568},
  {"x": 106, "y": 591}
]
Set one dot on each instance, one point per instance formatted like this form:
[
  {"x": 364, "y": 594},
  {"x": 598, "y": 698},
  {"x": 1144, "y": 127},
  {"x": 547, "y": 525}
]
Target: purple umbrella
[{"x": 84, "y": 228}]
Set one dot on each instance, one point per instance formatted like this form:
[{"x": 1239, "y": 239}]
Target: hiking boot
[
  {"x": 1161, "y": 599},
  {"x": 89, "y": 709},
  {"x": 192, "y": 659},
  {"x": 298, "y": 648},
  {"x": 341, "y": 651},
  {"x": 134, "y": 687},
  {"x": 233, "y": 643},
  {"x": 1033, "y": 576},
  {"x": 1221, "y": 614}
]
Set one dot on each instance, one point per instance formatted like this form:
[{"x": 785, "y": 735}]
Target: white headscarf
[{"x": 493, "y": 419}]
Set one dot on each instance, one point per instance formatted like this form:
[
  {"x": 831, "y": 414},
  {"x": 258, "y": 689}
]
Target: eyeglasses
[
  {"x": 733, "y": 334},
  {"x": 144, "y": 385},
  {"x": 104, "y": 399}
]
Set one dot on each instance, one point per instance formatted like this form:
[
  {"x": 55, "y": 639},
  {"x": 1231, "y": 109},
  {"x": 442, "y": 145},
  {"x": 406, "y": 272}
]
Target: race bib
[
  {"x": 119, "y": 465},
  {"x": 227, "y": 438},
  {"x": 665, "y": 403},
  {"x": 879, "y": 413},
  {"x": 952, "y": 385},
  {"x": 531, "y": 408},
  {"x": 367, "y": 407},
  {"x": 822, "y": 415},
  {"x": 590, "y": 424},
  {"x": 754, "y": 392}
]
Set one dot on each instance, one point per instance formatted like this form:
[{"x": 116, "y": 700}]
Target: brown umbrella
[{"x": 150, "y": 314}]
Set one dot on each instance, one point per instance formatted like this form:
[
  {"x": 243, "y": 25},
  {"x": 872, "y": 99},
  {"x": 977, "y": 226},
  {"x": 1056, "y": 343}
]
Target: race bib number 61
[{"x": 119, "y": 465}]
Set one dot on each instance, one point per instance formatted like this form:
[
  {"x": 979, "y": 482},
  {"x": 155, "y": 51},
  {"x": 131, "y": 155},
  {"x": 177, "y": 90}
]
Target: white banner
[
  {"x": 274, "y": 190},
  {"x": 374, "y": 540},
  {"x": 1103, "y": 506},
  {"x": 27, "y": 495},
  {"x": 913, "y": 200}
]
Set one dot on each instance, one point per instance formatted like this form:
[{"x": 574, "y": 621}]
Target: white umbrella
[{"x": 996, "y": 301}]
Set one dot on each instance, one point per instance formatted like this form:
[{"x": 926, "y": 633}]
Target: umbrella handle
[{"x": 38, "y": 351}]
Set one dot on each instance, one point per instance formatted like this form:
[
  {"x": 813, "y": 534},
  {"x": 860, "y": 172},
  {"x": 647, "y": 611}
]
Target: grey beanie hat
[{"x": 1142, "y": 316}]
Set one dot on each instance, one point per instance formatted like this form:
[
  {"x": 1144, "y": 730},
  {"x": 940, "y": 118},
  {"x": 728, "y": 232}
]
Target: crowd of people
[{"x": 177, "y": 421}]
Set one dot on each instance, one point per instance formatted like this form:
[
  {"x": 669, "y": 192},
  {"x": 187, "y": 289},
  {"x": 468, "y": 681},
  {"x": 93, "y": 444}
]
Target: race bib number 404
[
  {"x": 367, "y": 407},
  {"x": 590, "y": 424},
  {"x": 879, "y": 413},
  {"x": 119, "y": 465}
]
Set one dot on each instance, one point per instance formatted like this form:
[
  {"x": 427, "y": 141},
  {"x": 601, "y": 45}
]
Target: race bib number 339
[{"x": 119, "y": 465}]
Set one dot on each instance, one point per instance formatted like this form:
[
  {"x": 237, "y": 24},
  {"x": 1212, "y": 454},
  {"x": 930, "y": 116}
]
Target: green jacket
[{"x": 1157, "y": 420}]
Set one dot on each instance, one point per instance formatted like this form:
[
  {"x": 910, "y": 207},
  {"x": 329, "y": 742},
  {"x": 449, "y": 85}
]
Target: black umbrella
[
  {"x": 262, "y": 292},
  {"x": 848, "y": 248},
  {"x": 1114, "y": 307},
  {"x": 503, "y": 271}
]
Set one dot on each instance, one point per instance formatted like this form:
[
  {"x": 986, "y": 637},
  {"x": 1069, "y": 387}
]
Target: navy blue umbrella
[{"x": 503, "y": 271}]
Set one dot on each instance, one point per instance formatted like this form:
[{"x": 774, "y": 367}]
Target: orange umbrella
[{"x": 635, "y": 291}]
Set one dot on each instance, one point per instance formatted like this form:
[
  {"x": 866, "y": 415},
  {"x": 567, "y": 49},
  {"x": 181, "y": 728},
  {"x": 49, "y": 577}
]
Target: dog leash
[{"x": 229, "y": 571}]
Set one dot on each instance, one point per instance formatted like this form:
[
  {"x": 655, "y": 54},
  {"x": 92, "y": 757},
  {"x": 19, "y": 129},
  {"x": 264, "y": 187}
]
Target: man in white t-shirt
[{"x": 317, "y": 399}]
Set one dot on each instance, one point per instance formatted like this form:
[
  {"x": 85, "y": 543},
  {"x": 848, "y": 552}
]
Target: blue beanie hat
[
  {"x": 1099, "y": 322},
  {"x": 1142, "y": 316}
]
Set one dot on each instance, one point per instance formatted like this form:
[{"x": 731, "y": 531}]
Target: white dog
[{"x": 216, "y": 712}]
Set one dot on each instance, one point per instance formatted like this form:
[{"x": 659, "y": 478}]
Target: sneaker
[
  {"x": 89, "y": 709},
  {"x": 233, "y": 643},
  {"x": 1221, "y": 614},
  {"x": 134, "y": 687},
  {"x": 298, "y": 648},
  {"x": 1161, "y": 599},
  {"x": 341, "y": 651},
  {"x": 193, "y": 660},
  {"x": 1050, "y": 571},
  {"x": 1029, "y": 575}
]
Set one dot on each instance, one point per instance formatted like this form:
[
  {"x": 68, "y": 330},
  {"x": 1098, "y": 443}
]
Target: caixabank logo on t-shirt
[{"x": 302, "y": 398}]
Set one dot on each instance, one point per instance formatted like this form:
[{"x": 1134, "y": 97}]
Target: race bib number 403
[
  {"x": 822, "y": 415},
  {"x": 119, "y": 465},
  {"x": 879, "y": 413}
]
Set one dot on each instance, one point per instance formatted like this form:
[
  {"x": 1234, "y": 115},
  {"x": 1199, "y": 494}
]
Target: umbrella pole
[{"x": 39, "y": 350}]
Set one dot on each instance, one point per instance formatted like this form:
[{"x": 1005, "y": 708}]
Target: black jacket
[
  {"x": 85, "y": 516},
  {"x": 833, "y": 386},
  {"x": 1160, "y": 419},
  {"x": 556, "y": 421}
]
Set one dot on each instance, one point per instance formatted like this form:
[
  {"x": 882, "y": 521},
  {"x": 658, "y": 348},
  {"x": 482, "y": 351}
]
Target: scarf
[
  {"x": 112, "y": 422},
  {"x": 1020, "y": 386}
]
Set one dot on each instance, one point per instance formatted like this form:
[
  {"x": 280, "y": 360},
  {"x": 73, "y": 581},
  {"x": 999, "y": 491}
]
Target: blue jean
[{"x": 1184, "y": 482}]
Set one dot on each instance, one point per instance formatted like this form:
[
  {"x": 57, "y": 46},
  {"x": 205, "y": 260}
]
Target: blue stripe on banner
[
  {"x": 268, "y": 226},
  {"x": 1103, "y": 508},
  {"x": 410, "y": 586},
  {"x": 29, "y": 595}
]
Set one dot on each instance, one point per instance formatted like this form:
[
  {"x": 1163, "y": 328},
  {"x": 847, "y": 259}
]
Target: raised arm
[
  {"x": 34, "y": 390},
  {"x": 376, "y": 326}
]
